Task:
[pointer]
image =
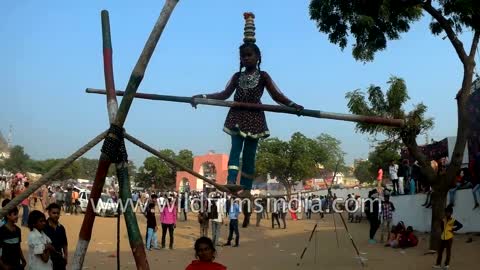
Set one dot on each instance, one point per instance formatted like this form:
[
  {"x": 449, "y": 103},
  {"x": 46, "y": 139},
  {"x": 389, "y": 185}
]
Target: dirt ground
[{"x": 266, "y": 248}]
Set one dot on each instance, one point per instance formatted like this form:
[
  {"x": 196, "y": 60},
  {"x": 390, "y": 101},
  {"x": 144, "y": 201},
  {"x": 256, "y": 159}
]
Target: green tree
[
  {"x": 373, "y": 23},
  {"x": 162, "y": 174},
  {"x": 383, "y": 153},
  {"x": 290, "y": 162},
  {"x": 43, "y": 166},
  {"x": 331, "y": 146},
  {"x": 362, "y": 172},
  {"x": 391, "y": 105},
  {"x": 18, "y": 160},
  {"x": 185, "y": 157}
]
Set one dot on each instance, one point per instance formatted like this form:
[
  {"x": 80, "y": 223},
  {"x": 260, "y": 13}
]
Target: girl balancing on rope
[{"x": 246, "y": 126}]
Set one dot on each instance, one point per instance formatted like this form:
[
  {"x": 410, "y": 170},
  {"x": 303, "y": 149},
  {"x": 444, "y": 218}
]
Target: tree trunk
[
  {"x": 439, "y": 200},
  {"x": 288, "y": 187}
]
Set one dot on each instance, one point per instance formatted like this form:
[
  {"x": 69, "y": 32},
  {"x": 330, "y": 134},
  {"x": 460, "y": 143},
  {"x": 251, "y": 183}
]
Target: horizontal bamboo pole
[
  {"x": 265, "y": 107},
  {"x": 46, "y": 178}
]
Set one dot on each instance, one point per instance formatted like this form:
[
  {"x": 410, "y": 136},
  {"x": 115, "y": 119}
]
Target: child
[
  {"x": 10, "y": 238},
  {"x": 39, "y": 244},
  {"x": 408, "y": 239},
  {"x": 449, "y": 225},
  {"x": 387, "y": 214},
  {"x": 151, "y": 227},
  {"x": 246, "y": 127},
  {"x": 56, "y": 232},
  {"x": 205, "y": 253}
]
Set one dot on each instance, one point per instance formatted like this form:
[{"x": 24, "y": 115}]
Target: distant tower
[
  {"x": 10, "y": 136},
  {"x": 427, "y": 139}
]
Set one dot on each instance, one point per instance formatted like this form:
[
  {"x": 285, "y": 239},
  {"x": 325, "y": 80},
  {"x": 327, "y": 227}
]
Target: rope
[
  {"x": 174, "y": 163},
  {"x": 46, "y": 178},
  {"x": 114, "y": 145}
]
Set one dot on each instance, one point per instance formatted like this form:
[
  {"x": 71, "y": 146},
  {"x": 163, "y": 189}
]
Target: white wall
[
  {"x": 342, "y": 193},
  {"x": 409, "y": 209}
]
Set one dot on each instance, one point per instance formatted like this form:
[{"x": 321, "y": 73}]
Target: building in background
[
  {"x": 4, "y": 148},
  {"x": 213, "y": 166}
]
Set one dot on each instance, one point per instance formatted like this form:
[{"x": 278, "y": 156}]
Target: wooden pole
[
  {"x": 112, "y": 105},
  {"x": 135, "y": 239},
  {"x": 46, "y": 178},
  {"x": 265, "y": 107}
]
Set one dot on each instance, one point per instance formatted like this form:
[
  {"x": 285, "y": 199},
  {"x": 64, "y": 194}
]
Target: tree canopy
[
  {"x": 18, "y": 160},
  {"x": 372, "y": 23},
  {"x": 161, "y": 174},
  {"x": 297, "y": 159},
  {"x": 389, "y": 105},
  {"x": 362, "y": 172}
]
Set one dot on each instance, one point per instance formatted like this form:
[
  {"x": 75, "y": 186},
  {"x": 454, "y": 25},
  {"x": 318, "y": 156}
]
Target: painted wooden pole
[
  {"x": 46, "y": 178},
  {"x": 265, "y": 107},
  {"x": 136, "y": 242},
  {"x": 112, "y": 105},
  {"x": 104, "y": 163}
]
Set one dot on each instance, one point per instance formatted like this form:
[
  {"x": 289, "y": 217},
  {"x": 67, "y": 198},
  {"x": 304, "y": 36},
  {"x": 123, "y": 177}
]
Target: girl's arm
[
  {"x": 276, "y": 94},
  {"x": 457, "y": 226},
  {"x": 225, "y": 94}
]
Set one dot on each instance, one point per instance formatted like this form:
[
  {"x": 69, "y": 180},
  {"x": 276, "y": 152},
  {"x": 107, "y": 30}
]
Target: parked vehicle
[{"x": 105, "y": 206}]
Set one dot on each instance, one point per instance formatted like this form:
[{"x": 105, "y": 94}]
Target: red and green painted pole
[
  {"x": 135, "y": 239},
  {"x": 104, "y": 163}
]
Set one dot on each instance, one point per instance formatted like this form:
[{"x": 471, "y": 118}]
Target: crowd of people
[
  {"x": 407, "y": 179},
  {"x": 48, "y": 245}
]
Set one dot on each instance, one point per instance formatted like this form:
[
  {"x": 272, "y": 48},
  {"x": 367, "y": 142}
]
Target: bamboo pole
[
  {"x": 112, "y": 105},
  {"x": 135, "y": 239},
  {"x": 265, "y": 107},
  {"x": 46, "y": 178},
  {"x": 174, "y": 163}
]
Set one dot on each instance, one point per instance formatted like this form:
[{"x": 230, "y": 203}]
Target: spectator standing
[
  {"x": 11, "y": 256},
  {"x": 233, "y": 214},
  {"x": 56, "y": 232},
  {"x": 393, "y": 174},
  {"x": 387, "y": 214},
  {"x": 216, "y": 215},
  {"x": 168, "y": 219}
]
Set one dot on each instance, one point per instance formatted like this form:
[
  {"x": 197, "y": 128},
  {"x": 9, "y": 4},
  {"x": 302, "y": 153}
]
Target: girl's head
[
  {"x": 36, "y": 220},
  {"x": 12, "y": 215},
  {"x": 250, "y": 56},
  {"x": 449, "y": 211},
  {"x": 204, "y": 249}
]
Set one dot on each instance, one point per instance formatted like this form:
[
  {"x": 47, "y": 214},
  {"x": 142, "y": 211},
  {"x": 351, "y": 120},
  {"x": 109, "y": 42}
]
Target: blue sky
[{"x": 52, "y": 51}]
